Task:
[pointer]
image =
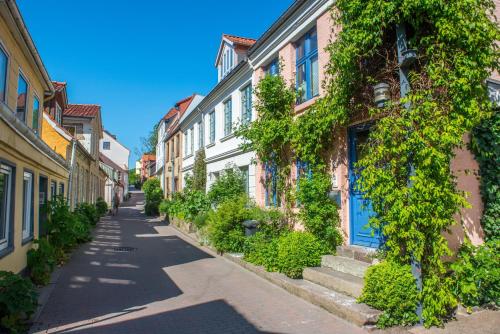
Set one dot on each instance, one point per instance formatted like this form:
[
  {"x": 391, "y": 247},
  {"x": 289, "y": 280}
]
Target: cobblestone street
[{"x": 138, "y": 276}]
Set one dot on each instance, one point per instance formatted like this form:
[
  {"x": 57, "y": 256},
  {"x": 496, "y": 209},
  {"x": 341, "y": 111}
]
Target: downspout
[{"x": 71, "y": 172}]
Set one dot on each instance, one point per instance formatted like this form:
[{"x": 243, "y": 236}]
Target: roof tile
[{"x": 82, "y": 110}]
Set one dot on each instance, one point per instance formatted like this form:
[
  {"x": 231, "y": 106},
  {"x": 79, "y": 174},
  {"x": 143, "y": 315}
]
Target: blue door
[{"x": 360, "y": 210}]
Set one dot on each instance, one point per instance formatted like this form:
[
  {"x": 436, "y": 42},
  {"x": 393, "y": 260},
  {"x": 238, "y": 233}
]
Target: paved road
[{"x": 166, "y": 285}]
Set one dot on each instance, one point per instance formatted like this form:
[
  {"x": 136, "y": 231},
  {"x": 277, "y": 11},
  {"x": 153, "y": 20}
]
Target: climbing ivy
[
  {"x": 485, "y": 144},
  {"x": 414, "y": 205},
  {"x": 200, "y": 172}
]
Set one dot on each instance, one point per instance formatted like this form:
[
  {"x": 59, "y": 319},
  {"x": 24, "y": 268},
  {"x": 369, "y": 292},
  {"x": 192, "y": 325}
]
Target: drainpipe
[
  {"x": 416, "y": 267},
  {"x": 71, "y": 172}
]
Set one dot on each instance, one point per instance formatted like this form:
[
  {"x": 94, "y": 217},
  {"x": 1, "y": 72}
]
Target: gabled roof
[
  {"x": 59, "y": 86},
  {"x": 179, "y": 106},
  {"x": 235, "y": 41},
  {"x": 148, "y": 157},
  {"x": 82, "y": 110}
]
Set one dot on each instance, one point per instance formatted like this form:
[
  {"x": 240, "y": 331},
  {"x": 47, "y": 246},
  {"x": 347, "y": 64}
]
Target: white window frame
[
  {"x": 58, "y": 115},
  {"x": 5, "y": 242},
  {"x": 28, "y": 203}
]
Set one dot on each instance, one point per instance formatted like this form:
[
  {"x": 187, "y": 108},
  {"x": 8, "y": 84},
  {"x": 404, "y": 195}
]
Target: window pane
[
  {"x": 36, "y": 112},
  {"x": 227, "y": 118},
  {"x": 28, "y": 204},
  {"x": 301, "y": 82},
  {"x": 3, "y": 73},
  {"x": 212, "y": 127},
  {"x": 314, "y": 76},
  {"x": 313, "y": 41},
  {"x": 301, "y": 48},
  {"x": 5, "y": 175},
  {"x": 22, "y": 89},
  {"x": 192, "y": 140}
]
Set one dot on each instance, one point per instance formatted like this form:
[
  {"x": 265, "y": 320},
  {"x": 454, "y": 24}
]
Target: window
[
  {"x": 186, "y": 136},
  {"x": 4, "y": 61},
  {"x": 307, "y": 66},
  {"x": 271, "y": 185},
  {"x": 53, "y": 190},
  {"x": 6, "y": 196},
  {"x": 28, "y": 204},
  {"x": 228, "y": 117},
  {"x": 36, "y": 114},
  {"x": 212, "y": 127},
  {"x": 200, "y": 135},
  {"x": 106, "y": 145},
  {"x": 22, "y": 91},
  {"x": 273, "y": 68},
  {"x": 177, "y": 146},
  {"x": 61, "y": 189},
  {"x": 246, "y": 104},
  {"x": 244, "y": 172},
  {"x": 58, "y": 115},
  {"x": 192, "y": 140},
  {"x": 227, "y": 61}
]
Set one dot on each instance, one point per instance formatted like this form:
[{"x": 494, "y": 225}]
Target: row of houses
[
  {"x": 293, "y": 47},
  {"x": 49, "y": 147}
]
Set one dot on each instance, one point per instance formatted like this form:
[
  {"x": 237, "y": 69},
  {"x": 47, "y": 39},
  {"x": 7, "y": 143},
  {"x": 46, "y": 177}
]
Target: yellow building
[{"x": 30, "y": 171}]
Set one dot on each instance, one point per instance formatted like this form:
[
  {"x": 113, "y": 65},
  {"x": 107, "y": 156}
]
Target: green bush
[
  {"x": 88, "y": 212},
  {"x": 153, "y": 195},
  {"x": 318, "y": 213},
  {"x": 391, "y": 288},
  {"x": 476, "y": 274},
  {"x": 230, "y": 184},
  {"x": 41, "y": 262},
  {"x": 201, "y": 220},
  {"x": 18, "y": 301},
  {"x": 225, "y": 226},
  {"x": 298, "y": 250},
  {"x": 101, "y": 206},
  {"x": 262, "y": 249}
]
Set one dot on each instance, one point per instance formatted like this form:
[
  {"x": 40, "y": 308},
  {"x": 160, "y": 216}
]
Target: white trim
[
  {"x": 7, "y": 170},
  {"x": 27, "y": 218}
]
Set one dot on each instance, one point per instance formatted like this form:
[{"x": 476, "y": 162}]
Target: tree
[
  {"x": 200, "y": 172},
  {"x": 148, "y": 144}
]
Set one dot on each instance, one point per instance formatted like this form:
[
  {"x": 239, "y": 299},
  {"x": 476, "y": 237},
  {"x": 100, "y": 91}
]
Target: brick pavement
[{"x": 166, "y": 285}]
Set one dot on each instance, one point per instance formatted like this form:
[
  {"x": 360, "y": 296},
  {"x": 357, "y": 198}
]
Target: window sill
[
  {"x": 6, "y": 251},
  {"x": 299, "y": 108},
  {"x": 27, "y": 240},
  {"x": 229, "y": 136},
  {"x": 210, "y": 145}
]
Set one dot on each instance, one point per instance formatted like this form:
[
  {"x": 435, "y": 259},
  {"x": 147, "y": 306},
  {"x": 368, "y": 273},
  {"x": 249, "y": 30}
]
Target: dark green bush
[
  {"x": 230, "y": 184},
  {"x": 201, "y": 220},
  {"x": 298, "y": 250},
  {"x": 391, "y": 288},
  {"x": 101, "y": 206},
  {"x": 41, "y": 262},
  {"x": 262, "y": 249},
  {"x": 18, "y": 301},
  {"x": 88, "y": 212},
  {"x": 318, "y": 213},
  {"x": 225, "y": 226},
  {"x": 476, "y": 274},
  {"x": 153, "y": 195}
]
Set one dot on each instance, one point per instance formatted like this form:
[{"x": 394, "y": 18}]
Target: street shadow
[
  {"x": 213, "y": 317},
  {"x": 121, "y": 269}
]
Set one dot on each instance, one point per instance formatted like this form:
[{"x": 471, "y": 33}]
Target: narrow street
[{"x": 139, "y": 276}]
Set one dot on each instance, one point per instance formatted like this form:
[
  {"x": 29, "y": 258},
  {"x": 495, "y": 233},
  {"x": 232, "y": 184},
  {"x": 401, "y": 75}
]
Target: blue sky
[{"x": 136, "y": 58}]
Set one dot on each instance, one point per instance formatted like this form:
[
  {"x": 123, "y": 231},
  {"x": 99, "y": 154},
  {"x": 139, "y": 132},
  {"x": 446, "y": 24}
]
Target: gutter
[{"x": 71, "y": 171}]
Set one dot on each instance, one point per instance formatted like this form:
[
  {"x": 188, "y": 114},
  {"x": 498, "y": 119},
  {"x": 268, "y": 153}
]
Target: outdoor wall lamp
[
  {"x": 381, "y": 95},
  {"x": 169, "y": 168}
]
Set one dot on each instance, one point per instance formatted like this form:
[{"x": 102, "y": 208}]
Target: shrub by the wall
[
  {"x": 230, "y": 184},
  {"x": 153, "y": 195},
  {"x": 476, "y": 274},
  {"x": 261, "y": 249},
  {"x": 391, "y": 288},
  {"x": 41, "y": 262},
  {"x": 18, "y": 301},
  {"x": 298, "y": 250},
  {"x": 101, "y": 206},
  {"x": 225, "y": 225}
]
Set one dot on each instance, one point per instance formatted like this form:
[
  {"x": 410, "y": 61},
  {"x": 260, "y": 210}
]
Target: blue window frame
[
  {"x": 22, "y": 92},
  {"x": 272, "y": 196},
  {"x": 212, "y": 127},
  {"x": 4, "y": 61},
  {"x": 246, "y": 104},
  {"x": 228, "y": 117},
  {"x": 273, "y": 68},
  {"x": 307, "y": 66}
]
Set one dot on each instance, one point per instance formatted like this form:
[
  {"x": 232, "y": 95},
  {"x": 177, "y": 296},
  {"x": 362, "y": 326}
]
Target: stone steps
[
  {"x": 345, "y": 265},
  {"x": 335, "y": 280},
  {"x": 335, "y": 302}
]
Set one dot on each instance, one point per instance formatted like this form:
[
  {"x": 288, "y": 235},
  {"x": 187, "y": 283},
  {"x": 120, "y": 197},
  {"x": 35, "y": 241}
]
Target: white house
[
  {"x": 115, "y": 151},
  {"x": 211, "y": 125}
]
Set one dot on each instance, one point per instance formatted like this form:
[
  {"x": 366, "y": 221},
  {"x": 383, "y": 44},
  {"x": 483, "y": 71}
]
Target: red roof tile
[
  {"x": 240, "y": 40},
  {"x": 180, "y": 106},
  {"x": 148, "y": 157},
  {"x": 82, "y": 110},
  {"x": 58, "y": 85}
]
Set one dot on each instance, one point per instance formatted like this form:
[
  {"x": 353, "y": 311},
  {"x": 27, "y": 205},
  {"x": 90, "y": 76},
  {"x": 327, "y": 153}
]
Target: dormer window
[{"x": 227, "y": 61}]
